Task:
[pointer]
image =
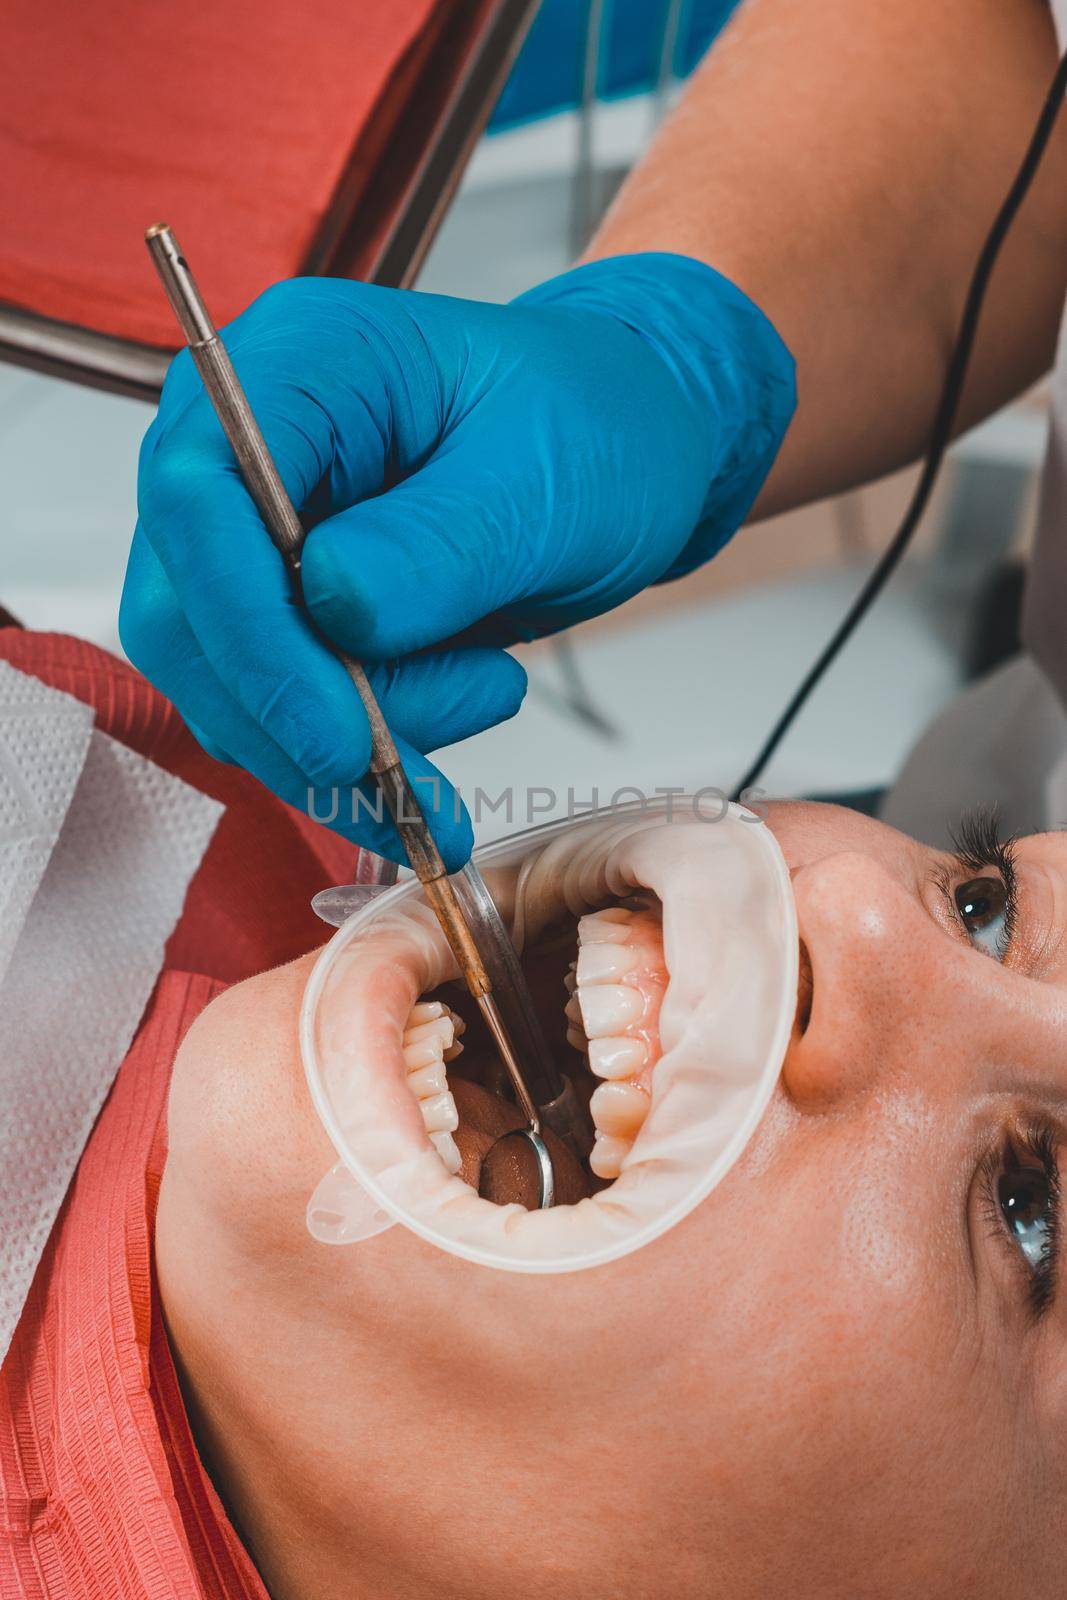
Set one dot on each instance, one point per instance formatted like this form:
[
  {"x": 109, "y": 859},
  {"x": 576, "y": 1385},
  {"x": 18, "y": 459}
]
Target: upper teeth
[
  {"x": 619, "y": 1108},
  {"x": 607, "y": 1008},
  {"x": 615, "y": 946},
  {"x": 601, "y": 927},
  {"x": 617, "y": 1058},
  {"x": 603, "y": 963}
]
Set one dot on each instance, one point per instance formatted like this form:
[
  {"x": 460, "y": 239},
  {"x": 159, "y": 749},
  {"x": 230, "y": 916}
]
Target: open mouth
[
  {"x": 663, "y": 961},
  {"x": 599, "y": 981}
]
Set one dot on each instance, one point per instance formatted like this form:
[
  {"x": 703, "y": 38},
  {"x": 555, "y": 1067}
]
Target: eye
[
  {"x": 1020, "y": 1193},
  {"x": 1026, "y": 1202},
  {"x": 982, "y": 905}
]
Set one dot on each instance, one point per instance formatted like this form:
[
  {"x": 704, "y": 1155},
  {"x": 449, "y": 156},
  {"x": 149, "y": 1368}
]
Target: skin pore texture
[{"x": 833, "y": 1379}]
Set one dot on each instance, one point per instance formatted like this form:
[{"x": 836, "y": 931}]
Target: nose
[{"x": 879, "y": 968}]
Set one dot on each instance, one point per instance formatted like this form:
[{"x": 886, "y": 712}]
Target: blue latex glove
[{"x": 495, "y": 472}]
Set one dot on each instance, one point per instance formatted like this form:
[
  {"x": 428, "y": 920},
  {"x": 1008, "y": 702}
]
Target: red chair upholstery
[{"x": 277, "y": 136}]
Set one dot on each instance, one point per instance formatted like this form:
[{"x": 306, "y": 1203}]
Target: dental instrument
[{"x": 462, "y": 904}]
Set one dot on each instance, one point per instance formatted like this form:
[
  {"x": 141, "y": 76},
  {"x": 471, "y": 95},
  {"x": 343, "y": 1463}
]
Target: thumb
[{"x": 424, "y": 561}]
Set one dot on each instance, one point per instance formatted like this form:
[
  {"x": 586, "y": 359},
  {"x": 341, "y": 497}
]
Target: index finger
[{"x": 229, "y": 580}]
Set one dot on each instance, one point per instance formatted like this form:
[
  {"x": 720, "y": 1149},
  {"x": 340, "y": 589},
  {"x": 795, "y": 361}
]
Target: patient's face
[{"x": 842, "y": 1375}]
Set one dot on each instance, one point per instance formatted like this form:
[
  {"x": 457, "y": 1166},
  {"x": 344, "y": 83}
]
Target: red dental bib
[{"x": 102, "y": 1492}]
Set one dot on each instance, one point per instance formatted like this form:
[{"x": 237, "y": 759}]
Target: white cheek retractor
[{"x": 730, "y": 943}]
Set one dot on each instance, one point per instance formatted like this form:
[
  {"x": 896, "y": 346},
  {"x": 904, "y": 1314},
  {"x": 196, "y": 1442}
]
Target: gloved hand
[{"x": 483, "y": 471}]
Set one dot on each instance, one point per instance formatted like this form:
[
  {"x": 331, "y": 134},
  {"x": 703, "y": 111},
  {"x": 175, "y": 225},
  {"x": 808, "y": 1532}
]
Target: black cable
[{"x": 942, "y": 429}]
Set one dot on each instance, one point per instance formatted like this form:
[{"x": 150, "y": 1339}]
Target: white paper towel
[
  {"x": 44, "y": 736},
  {"x": 121, "y": 844}
]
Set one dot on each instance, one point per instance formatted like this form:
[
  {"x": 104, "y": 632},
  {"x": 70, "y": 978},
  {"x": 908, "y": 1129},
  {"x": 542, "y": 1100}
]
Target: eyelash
[
  {"x": 977, "y": 845},
  {"x": 1038, "y": 1143}
]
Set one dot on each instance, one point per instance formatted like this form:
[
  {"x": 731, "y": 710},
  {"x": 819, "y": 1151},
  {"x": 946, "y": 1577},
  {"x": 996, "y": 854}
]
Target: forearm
[{"x": 842, "y": 161}]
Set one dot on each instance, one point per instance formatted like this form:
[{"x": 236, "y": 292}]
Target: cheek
[
  {"x": 839, "y": 1201},
  {"x": 836, "y": 1329},
  {"x": 894, "y": 1220},
  {"x": 243, "y": 1140}
]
